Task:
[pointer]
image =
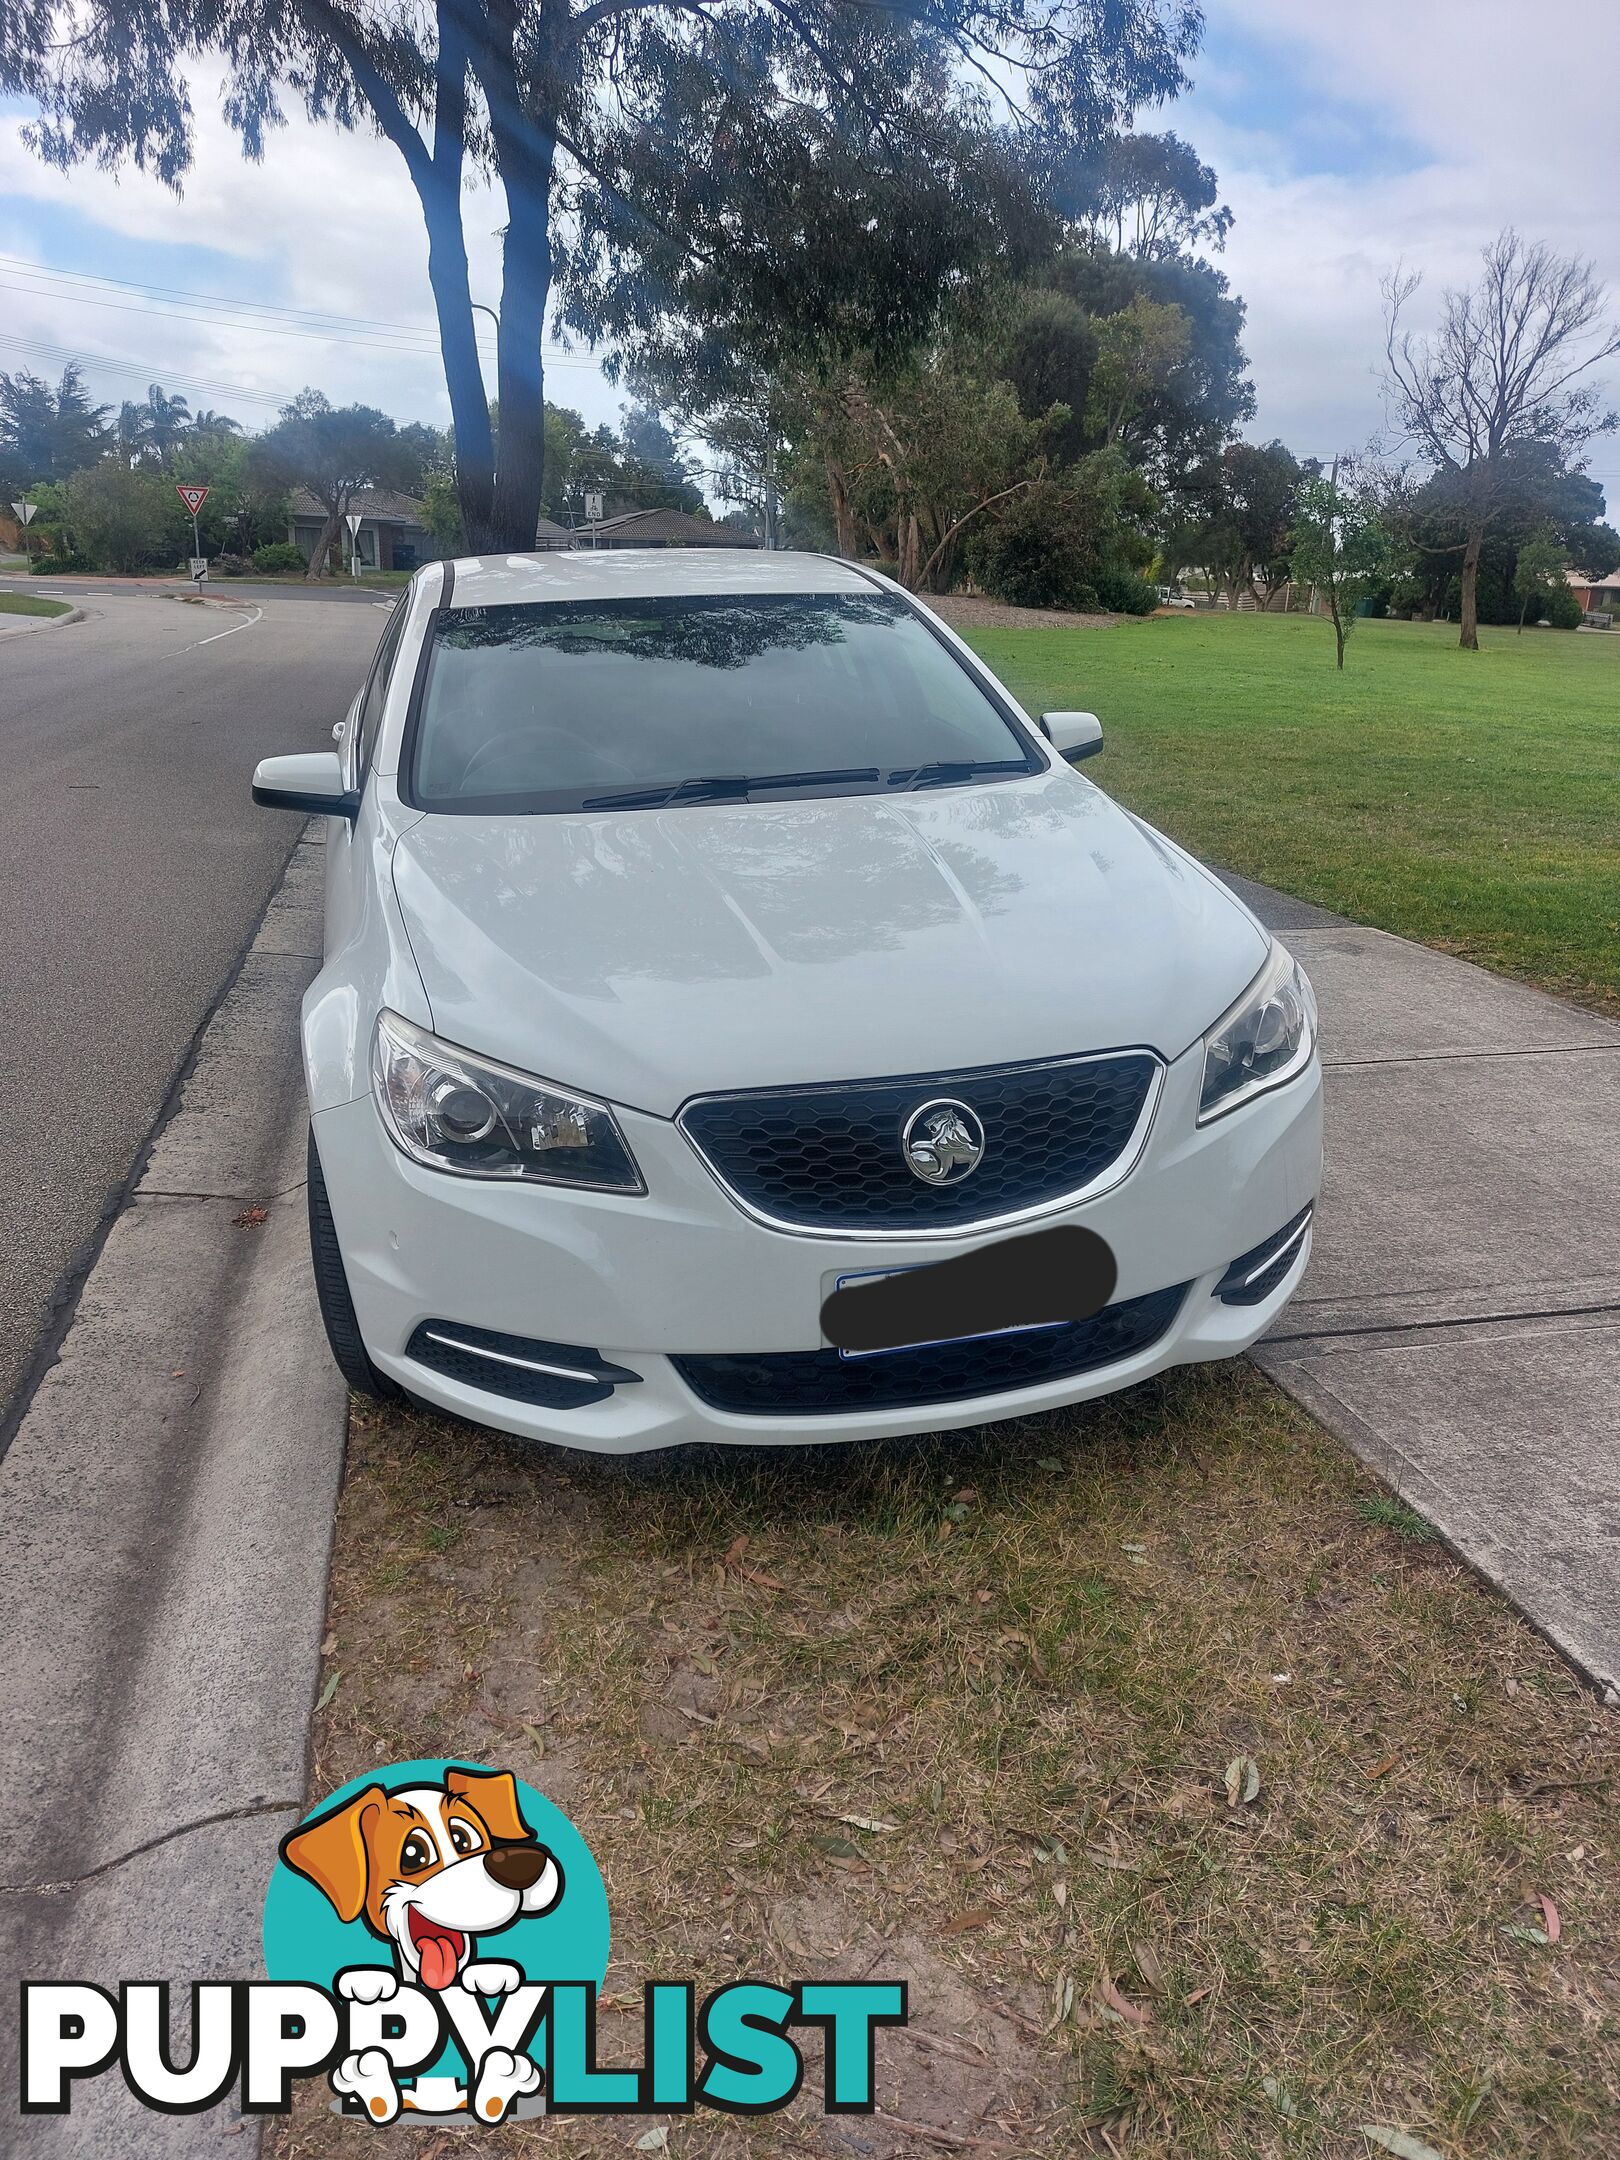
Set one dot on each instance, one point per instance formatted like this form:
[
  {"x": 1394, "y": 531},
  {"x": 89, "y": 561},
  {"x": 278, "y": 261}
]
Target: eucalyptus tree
[{"x": 604, "y": 122}]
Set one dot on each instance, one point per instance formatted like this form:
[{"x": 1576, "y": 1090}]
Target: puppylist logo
[{"x": 435, "y": 1936}]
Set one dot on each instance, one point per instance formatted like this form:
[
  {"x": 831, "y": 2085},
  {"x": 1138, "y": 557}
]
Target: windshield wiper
[
  {"x": 835, "y": 776},
  {"x": 725, "y": 787},
  {"x": 943, "y": 772},
  {"x": 707, "y": 787}
]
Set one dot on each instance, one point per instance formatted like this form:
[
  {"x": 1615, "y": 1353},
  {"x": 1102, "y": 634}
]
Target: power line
[
  {"x": 144, "y": 369},
  {"x": 175, "y": 292},
  {"x": 405, "y": 339}
]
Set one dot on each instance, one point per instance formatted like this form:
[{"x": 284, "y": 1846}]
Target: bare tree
[{"x": 1504, "y": 368}]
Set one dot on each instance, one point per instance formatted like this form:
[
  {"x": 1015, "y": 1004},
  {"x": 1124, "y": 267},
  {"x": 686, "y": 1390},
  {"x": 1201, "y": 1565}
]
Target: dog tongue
[{"x": 438, "y": 1955}]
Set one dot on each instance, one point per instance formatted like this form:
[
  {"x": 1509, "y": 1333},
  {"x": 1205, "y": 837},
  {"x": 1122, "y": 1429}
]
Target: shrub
[
  {"x": 1122, "y": 592},
  {"x": 229, "y": 566},
  {"x": 57, "y": 565},
  {"x": 1037, "y": 555},
  {"x": 1562, "y": 609},
  {"x": 1071, "y": 541},
  {"x": 278, "y": 555},
  {"x": 127, "y": 520}
]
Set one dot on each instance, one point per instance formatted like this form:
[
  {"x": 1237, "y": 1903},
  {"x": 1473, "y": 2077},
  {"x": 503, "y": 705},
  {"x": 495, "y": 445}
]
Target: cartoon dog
[{"x": 430, "y": 1868}]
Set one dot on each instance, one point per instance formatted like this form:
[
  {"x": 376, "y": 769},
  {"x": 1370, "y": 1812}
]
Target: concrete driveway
[{"x": 1460, "y": 1323}]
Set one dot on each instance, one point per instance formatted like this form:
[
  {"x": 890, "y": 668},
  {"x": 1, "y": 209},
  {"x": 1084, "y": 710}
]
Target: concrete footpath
[
  {"x": 1460, "y": 1322},
  {"x": 168, "y": 1502}
]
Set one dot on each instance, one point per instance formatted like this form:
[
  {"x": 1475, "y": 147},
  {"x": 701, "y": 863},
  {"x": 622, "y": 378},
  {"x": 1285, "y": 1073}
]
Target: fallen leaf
[
  {"x": 1549, "y": 1914},
  {"x": 982, "y": 1597},
  {"x": 1060, "y": 1892},
  {"x": 980, "y": 1917},
  {"x": 1146, "y": 1960},
  {"x": 758, "y": 1575},
  {"x": 839, "y": 1847},
  {"x": 328, "y": 1646},
  {"x": 1027, "y": 1642},
  {"x": 1242, "y": 1780},
  {"x": 651, "y": 2140},
  {"x": 1047, "y": 1462},
  {"x": 1280, "y": 2097},
  {"x": 967, "y": 1495},
  {"x": 867, "y": 1822},
  {"x": 1538, "y": 1936},
  {"x": 328, "y": 1691},
  {"x": 735, "y": 1550},
  {"x": 1400, "y": 2142},
  {"x": 253, "y": 1218},
  {"x": 1384, "y": 1768},
  {"x": 1197, "y": 1995},
  {"x": 1135, "y": 2012}
]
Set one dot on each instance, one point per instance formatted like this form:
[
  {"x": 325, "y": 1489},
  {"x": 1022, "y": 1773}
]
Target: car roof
[{"x": 645, "y": 573}]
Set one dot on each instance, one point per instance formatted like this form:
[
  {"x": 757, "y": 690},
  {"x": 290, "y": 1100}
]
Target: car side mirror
[
  {"x": 311, "y": 781},
  {"x": 1074, "y": 735}
]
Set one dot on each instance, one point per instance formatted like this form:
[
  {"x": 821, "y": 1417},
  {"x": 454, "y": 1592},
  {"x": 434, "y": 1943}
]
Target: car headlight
[
  {"x": 1263, "y": 1040},
  {"x": 453, "y": 1111}
]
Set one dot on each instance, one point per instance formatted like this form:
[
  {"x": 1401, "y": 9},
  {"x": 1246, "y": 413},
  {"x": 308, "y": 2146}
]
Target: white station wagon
[{"x": 740, "y": 1021}]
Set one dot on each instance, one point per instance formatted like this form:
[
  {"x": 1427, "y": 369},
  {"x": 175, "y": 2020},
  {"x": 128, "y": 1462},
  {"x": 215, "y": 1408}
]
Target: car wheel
[{"x": 332, "y": 1290}]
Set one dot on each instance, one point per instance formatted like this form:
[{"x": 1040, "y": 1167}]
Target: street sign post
[
  {"x": 353, "y": 523},
  {"x": 25, "y": 512},
  {"x": 194, "y": 498},
  {"x": 594, "y": 506}
]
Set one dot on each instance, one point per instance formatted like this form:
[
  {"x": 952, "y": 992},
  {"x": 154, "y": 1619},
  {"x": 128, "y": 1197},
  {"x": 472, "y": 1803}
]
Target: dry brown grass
[{"x": 1030, "y": 1653}]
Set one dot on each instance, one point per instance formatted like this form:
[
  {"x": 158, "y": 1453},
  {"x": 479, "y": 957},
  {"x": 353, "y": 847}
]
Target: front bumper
[{"x": 681, "y": 1271}]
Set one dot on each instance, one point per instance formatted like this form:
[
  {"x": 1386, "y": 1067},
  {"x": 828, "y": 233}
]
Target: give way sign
[{"x": 192, "y": 497}]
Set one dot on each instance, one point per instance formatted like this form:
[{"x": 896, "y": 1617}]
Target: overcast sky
[{"x": 1345, "y": 139}]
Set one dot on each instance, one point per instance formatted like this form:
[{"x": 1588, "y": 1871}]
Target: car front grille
[
  {"x": 811, "y": 1383},
  {"x": 830, "y": 1158}
]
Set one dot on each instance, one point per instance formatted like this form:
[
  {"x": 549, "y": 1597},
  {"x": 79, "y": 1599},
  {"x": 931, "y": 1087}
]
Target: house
[
  {"x": 1599, "y": 596},
  {"x": 661, "y": 528},
  {"x": 549, "y": 534},
  {"x": 392, "y": 535}
]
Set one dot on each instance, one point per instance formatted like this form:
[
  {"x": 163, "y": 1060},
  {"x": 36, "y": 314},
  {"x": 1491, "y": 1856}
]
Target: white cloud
[
  {"x": 1512, "y": 121},
  {"x": 327, "y": 223}
]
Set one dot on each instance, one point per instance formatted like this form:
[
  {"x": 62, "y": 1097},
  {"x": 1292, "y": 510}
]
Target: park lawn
[
  {"x": 16, "y": 603},
  {"x": 1468, "y": 800},
  {"x": 1206, "y": 1803}
]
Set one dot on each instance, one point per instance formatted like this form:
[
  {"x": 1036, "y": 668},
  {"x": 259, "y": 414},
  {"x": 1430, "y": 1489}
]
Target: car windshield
[{"x": 634, "y": 703}]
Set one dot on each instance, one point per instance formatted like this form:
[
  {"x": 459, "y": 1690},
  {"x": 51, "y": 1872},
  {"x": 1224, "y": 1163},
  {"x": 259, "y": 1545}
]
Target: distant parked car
[
  {"x": 711, "y": 940},
  {"x": 1169, "y": 597}
]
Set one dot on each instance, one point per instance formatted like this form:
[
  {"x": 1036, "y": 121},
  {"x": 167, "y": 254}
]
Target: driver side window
[{"x": 376, "y": 697}]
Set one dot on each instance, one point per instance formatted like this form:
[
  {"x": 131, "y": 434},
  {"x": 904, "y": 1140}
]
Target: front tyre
[{"x": 332, "y": 1290}]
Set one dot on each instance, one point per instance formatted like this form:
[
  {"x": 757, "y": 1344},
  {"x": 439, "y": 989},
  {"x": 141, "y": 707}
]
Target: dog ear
[
  {"x": 495, "y": 1798},
  {"x": 331, "y": 1851}
]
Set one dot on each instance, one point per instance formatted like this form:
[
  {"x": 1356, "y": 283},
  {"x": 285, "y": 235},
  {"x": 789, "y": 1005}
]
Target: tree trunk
[
  {"x": 843, "y": 514},
  {"x": 323, "y": 546},
  {"x": 464, "y": 378},
  {"x": 909, "y": 549},
  {"x": 1469, "y": 640},
  {"x": 520, "y": 465}
]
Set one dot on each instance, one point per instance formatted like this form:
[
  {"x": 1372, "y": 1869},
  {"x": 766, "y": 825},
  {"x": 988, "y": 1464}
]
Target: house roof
[
  {"x": 549, "y": 534},
  {"x": 385, "y": 504},
  {"x": 666, "y": 528},
  {"x": 1587, "y": 580}
]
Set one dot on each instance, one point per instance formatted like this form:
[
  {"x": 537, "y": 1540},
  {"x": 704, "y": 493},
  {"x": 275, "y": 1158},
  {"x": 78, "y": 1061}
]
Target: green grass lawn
[
  {"x": 1469, "y": 800},
  {"x": 17, "y": 603}
]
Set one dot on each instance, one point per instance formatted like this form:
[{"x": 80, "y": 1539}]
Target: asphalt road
[{"x": 133, "y": 870}]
